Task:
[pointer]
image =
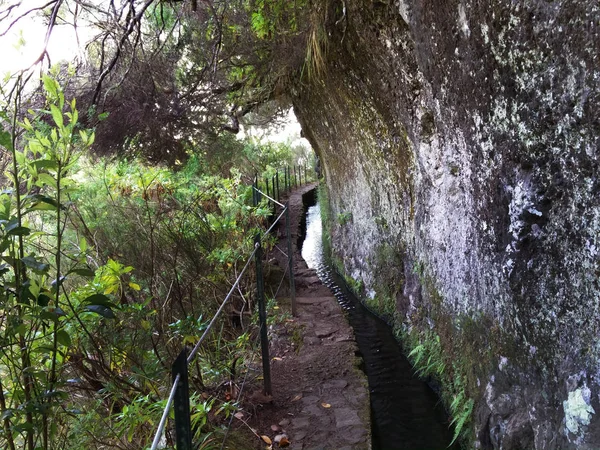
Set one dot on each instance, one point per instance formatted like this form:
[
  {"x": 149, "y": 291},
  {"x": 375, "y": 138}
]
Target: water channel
[{"x": 406, "y": 413}]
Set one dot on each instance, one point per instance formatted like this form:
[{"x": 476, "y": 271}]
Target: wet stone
[
  {"x": 354, "y": 435},
  {"x": 301, "y": 422},
  {"x": 346, "y": 417},
  {"x": 313, "y": 410},
  {"x": 310, "y": 400},
  {"x": 325, "y": 332},
  {"x": 311, "y": 340},
  {"x": 335, "y": 384}
]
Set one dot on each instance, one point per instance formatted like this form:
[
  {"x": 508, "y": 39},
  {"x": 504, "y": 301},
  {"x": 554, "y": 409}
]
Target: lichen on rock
[
  {"x": 463, "y": 137},
  {"x": 578, "y": 413}
]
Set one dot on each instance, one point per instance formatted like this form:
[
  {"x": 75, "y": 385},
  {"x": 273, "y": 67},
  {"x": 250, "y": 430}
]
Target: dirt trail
[{"x": 320, "y": 396}]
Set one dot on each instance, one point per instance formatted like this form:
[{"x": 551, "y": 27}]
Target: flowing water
[{"x": 405, "y": 412}]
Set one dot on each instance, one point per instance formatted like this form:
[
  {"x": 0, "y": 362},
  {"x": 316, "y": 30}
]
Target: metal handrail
[
  {"x": 191, "y": 356},
  {"x": 165, "y": 415},
  {"x": 210, "y": 325}
]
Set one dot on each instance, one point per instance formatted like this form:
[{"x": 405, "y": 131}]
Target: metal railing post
[
  {"x": 254, "y": 193},
  {"x": 290, "y": 259},
  {"x": 262, "y": 316},
  {"x": 267, "y": 188},
  {"x": 181, "y": 405},
  {"x": 273, "y": 191}
]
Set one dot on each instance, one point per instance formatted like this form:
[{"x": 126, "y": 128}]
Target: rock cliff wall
[{"x": 460, "y": 146}]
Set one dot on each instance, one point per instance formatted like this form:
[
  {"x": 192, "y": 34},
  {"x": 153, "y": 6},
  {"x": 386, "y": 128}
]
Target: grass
[{"x": 430, "y": 360}]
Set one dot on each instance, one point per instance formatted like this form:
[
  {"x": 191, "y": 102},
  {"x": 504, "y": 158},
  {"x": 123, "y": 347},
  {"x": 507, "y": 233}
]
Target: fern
[
  {"x": 418, "y": 352},
  {"x": 461, "y": 419}
]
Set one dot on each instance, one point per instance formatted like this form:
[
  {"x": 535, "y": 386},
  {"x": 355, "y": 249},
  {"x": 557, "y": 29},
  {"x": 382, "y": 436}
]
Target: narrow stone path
[{"x": 319, "y": 392}]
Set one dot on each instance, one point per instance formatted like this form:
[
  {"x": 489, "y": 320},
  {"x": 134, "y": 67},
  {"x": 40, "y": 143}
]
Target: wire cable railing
[{"x": 179, "y": 388}]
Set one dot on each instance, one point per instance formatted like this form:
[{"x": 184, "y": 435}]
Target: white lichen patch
[
  {"x": 462, "y": 21},
  {"x": 578, "y": 413},
  {"x": 503, "y": 362}
]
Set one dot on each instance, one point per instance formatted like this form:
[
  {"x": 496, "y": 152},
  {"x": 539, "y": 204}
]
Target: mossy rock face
[{"x": 462, "y": 138}]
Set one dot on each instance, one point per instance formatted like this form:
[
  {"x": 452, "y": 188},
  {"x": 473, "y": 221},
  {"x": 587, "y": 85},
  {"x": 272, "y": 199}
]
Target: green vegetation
[
  {"x": 108, "y": 267},
  {"x": 344, "y": 217},
  {"x": 431, "y": 361},
  {"x": 445, "y": 351},
  {"x": 325, "y": 219},
  {"x": 126, "y": 216}
]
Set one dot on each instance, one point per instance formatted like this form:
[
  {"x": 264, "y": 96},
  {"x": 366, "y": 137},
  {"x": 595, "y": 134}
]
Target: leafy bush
[{"x": 107, "y": 268}]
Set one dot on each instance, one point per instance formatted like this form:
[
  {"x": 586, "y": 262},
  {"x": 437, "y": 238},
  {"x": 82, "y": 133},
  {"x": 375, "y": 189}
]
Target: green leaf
[
  {"x": 82, "y": 245},
  {"x": 42, "y": 207},
  {"x": 99, "y": 299},
  {"x": 50, "y": 85},
  {"x": 43, "y": 300},
  {"x": 11, "y": 224},
  {"x": 6, "y": 414},
  {"x": 6, "y": 140},
  {"x": 48, "y": 179},
  {"x": 36, "y": 266},
  {"x": 84, "y": 272},
  {"x": 24, "y": 293},
  {"x": 63, "y": 338},
  {"x": 44, "y": 199},
  {"x": 44, "y": 164},
  {"x": 55, "y": 394},
  {"x": 19, "y": 231},
  {"x": 84, "y": 137},
  {"x": 101, "y": 310},
  {"x": 51, "y": 313}
]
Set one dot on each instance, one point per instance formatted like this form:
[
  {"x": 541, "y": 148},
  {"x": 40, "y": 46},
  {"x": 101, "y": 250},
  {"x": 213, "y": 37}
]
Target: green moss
[
  {"x": 344, "y": 217},
  {"x": 324, "y": 206},
  {"x": 381, "y": 222},
  {"x": 456, "y": 352},
  {"x": 356, "y": 286}
]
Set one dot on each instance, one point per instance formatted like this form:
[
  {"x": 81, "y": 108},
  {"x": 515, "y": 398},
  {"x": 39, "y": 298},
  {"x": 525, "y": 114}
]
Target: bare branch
[
  {"x": 49, "y": 32},
  {"x": 130, "y": 28},
  {"x": 6, "y": 13},
  {"x": 25, "y": 14}
]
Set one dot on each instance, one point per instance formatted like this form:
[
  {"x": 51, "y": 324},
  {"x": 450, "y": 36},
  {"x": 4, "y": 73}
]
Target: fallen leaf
[
  {"x": 297, "y": 397},
  {"x": 277, "y": 439},
  {"x": 325, "y": 405},
  {"x": 266, "y": 439},
  {"x": 284, "y": 442},
  {"x": 277, "y": 358},
  {"x": 239, "y": 415}
]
